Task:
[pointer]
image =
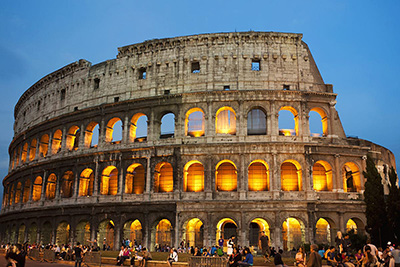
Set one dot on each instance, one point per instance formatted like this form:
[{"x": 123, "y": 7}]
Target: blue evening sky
[{"x": 355, "y": 45}]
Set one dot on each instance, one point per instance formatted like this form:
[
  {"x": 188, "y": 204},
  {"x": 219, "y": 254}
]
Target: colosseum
[{"x": 182, "y": 139}]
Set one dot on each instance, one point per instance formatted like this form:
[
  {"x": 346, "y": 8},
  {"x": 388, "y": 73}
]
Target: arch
[
  {"x": 106, "y": 233},
  {"x": 113, "y": 131},
  {"x": 291, "y": 176},
  {"x": 283, "y": 119},
  {"x": 56, "y": 142},
  {"x": 92, "y": 135},
  {"x": 163, "y": 233},
  {"x": 167, "y": 126},
  {"x": 51, "y": 186},
  {"x": 37, "y": 188},
  {"x": 24, "y": 153},
  {"x": 163, "y": 178},
  {"x": 73, "y": 135},
  {"x": 323, "y": 232},
  {"x": 12, "y": 194},
  {"x": 135, "y": 179},
  {"x": 32, "y": 150},
  {"x": 322, "y": 176},
  {"x": 67, "y": 182},
  {"x": 324, "y": 122},
  {"x": 86, "y": 181},
  {"x": 257, "y": 226},
  {"x": 44, "y": 145},
  {"x": 258, "y": 176},
  {"x": 133, "y": 231},
  {"x": 62, "y": 233},
  {"x": 256, "y": 122},
  {"x": 27, "y": 189},
  {"x": 21, "y": 233},
  {"x": 82, "y": 232},
  {"x": 109, "y": 181},
  {"x": 46, "y": 233},
  {"x": 351, "y": 177},
  {"x": 17, "y": 156},
  {"x": 193, "y": 176},
  {"x": 293, "y": 233},
  {"x": 226, "y": 176},
  {"x": 195, "y": 122},
  {"x": 138, "y": 128},
  {"x": 226, "y": 228},
  {"x": 193, "y": 232},
  {"x": 355, "y": 224},
  {"x": 32, "y": 234},
  {"x": 18, "y": 193},
  {"x": 225, "y": 121}
]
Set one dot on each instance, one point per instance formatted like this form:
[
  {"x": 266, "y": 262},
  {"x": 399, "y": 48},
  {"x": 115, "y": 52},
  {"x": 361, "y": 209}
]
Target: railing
[
  {"x": 49, "y": 255},
  {"x": 207, "y": 261},
  {"x": 93, "y": 257},
  {"x": 34, "y": 254}
]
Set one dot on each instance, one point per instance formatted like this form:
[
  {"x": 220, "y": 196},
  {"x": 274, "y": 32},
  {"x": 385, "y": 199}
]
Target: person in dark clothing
[
  {"x": 16, "y": 256},
  {"x": 346, "y": 243},
  {"x": 78, "y": 252},
  {"x": 278, "y": 259},
  {"x": 234, "y": 258}
]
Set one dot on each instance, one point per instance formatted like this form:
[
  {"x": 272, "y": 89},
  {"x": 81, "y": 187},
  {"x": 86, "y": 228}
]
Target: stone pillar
[
  {"x": 176, "y": 243},
  {"x": 43, "y": 193},
  {"x": 146, "y": 232},
  {"x": 242, "y": 177},
  {"x": 121, "y": 175},
  {"x": 82, "y": 133},
  {"x": 342, "y": 226},
  {"x": 76, "y": 184},
  {"x": 58, "y": 186},
  {"x": 102, "y": 134},
  {"x": 64, "y": 139},
  {"x": 275, "y": 177},
  {"x": 277, "y": 233},
  {"x": 150, "y": 127},
  {"x": 338, "y": 176},
  {"x": 49, "y": 148},
  {"x": 117, "y": 236},
  {"x": 72, "y": 235},
  {"x": 125, "y": 129},
  {"x": 363, "y": 167},
  {"x": 148, "y": 174},
  {"x": 37, "y": 149}
]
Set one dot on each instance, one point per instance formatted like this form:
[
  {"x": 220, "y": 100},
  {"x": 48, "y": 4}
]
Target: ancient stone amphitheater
[{"x": 181, "y": 139}]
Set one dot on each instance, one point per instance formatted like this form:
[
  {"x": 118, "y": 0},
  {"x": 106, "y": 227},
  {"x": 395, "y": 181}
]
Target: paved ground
[{"x": 30, "y": 263}]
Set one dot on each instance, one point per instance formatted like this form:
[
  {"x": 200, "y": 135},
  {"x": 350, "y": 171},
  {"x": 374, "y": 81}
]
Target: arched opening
[
  {"x": 288, "y": 121},
  {"x": 293, "y": 234},
  {"x": 47, "y": 233},
  {"x": 13, "y": 237},
  {"x": 24, "y": 153},
  {"x": 318, "y": 122},
  {"x": 62, "y": 233},
  {"x": 86, "y": 181},
  {"x": 323, "y": 232},
  {"x": 82, "y": 233},
  {"x": 92, "y": 135},
  {"x": 72, "y": 141},
  {"x": 12, "y": 159},
  {"x": 351, "y": 225},
  {"x": 194, "y": 233},
  {"x": 114, "y": 131},
  {"x": 257, "y": 226},
  {"x": 32, "y": 234},
  {"x": 225, "y": 121},
  {"x": 21, "y": 234},
  {"x": 138, "y": 128},
  {"x": 133, "y": 231},
  {"x": 51, "y": 186},
  {"x": 193, "y": 176},
  {"x": 67, "y": 182},
  {"x": 322, "y": 176},
  {"x": 291, "y": 178},
  {"x": 167, "y": 126},
  {"x": 109, "y": 181},
  {"x": 226, "y": 228},
  {"x": 37, "y": 188},
  {"x": 12, "y": 194},
  {"x": 226, "y": 176},
  {"x": 56, "y": 142},
  {"x": 164, "y": 233},
  {"x": 256, "y": 122},
  {"x": 135, "y": 179},
  {"x": 17, "y": 155},
  {"x": 106, "y": 233},
  {"x": 195, "y": 123},
  {"x": 18, "y": 193},
  {"x": 163, "y": 178},
  {"x": 32, "y": 150},
  {"x": 258, "y": 175},
  {"x": 351, "y": 177},
  {"x": 27, "y": 189},
  {"x": 44, "y": 145}
]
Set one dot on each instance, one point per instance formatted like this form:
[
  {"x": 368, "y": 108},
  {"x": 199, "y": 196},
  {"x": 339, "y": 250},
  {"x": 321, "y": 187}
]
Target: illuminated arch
[
  {"x": 106, "y": 232},
  {"x": 21, "y": 233},
  {"x": 324, "y": 120},
  {"x": 351, "y": 177},
  {"x": 256, "y": 122},
  {"x": 293, "y": 232},
  {"x": 291, "y": 176},
  {"x": 165, "y": 131},
  {"x": 226, "y": 176},
  {"x": 62, "y": 233},
  {"x": 44, "y": 145},
  {"x": 18, "y": 191},
  {"x": 72, "y": 141},
  {"x": 258, "y": 176},
  {"x": 193, "y": 176},
  {"x": 355, "y": 224},
  {"x": 163, "y": 178},
  {"x": 56, "y": 142},
  {"x": 109, "y": 181},
  {"x": 51, "y": 186},
  {"x": 82, "y": 232},
  {"x": 322, "y": 176},
  {"x": 27, "y": 189},
  {"x": 86, "y": 180},
  {"x": 133, "y": 231},
  {"x": 17, "y": 156},
  {"x": 257, "y": 226},
  {"x": 11, "y": 194},
  {"x": 32, "y": 234},
  {"x": 225, "y": 121},
  {"x": 164, "y": 233},
  {"x": 24, "y": 153},
  {"x": 323, "y": 232},
  {"x": 37, "y": 188},
  {"x": 290, "y": 132},
  {"x": 195, "y": 122},
  {"x": 135, "y": 179},
  {"x": 67, "y": 182},
  {"x": 32, "y": 150},
  {"x": 193, "y": 232},
  {"x": 110, "y": 129},
  {"x": 135, "y": 125},
  {"x": 89, "y": 142},
  {"x": 226, "y": 228}
]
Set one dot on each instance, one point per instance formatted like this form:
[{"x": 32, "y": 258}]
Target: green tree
[
  {"x": 377, "y": 222},
  {"x": 393, "y": 205}
]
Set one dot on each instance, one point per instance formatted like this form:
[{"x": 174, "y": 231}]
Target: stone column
[
  {"x": 209, "y": 184},
  {"x": 276, "y": 181},
  {"x": 76, "y": 184},
  {"x": 117, "y": 236},
  {"x": 121, "y": 175},
  {"x": 43, "y": 193},
  {"x": 97, "y": 178},
  {"x": 338, "y": 176},
  {"x": 82, "y": 132},
  {"x": 102, "y": 134},
  {"x": 125, "y": 130},
  {"x": 363, "y": 167},
  {"x": 64, "y": 139},
  {"x": 49, "y": 148},
  {"x": 176, "y": 243},
  {"x": 148, "y": 174}
]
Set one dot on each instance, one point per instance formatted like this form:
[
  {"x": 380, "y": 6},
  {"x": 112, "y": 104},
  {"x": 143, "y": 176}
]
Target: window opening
[
  {"x": 167, "y": 126},
  {"x": 255, "y": 65},
  {"x": 62, "y": 95},
  {"x": 226, "y": 88},
  {"x": 286, "y": 87},
  {"x": 166, "y": 92},
  {"x": 142, "y": 74},
  {"x": 96, "y": 83},
  {"x": 196, "y": 67},
  {"x": 256, "y": 122},
  {"x": 116, "y": 99}
]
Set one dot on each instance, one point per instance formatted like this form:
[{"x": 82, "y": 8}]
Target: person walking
[
  {"x": 315, "y": 260},
  {"x": 78, "y": 252},
  {"x": 263, "y": 244}
]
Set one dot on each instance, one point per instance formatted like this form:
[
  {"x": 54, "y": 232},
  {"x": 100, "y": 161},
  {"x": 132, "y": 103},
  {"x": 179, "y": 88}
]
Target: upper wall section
[{"x": 206, "y": 62}]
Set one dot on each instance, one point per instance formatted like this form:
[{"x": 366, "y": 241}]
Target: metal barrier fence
[
  {"x": 34, "y": 254},
  {"x": 93, "y": 257},
  {"x": 196, "y": 261},
  {"x": 49, "y": 255}
]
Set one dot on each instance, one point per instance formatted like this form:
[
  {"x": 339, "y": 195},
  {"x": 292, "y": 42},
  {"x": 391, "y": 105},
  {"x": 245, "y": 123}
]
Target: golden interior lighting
[
  {"x": 292, "y": 233},
  {"x": 163, "y": 232},
  {"x": 163, "y": 178},
  {"x": 51, "y": 186},
  {"x": 62, "y": 233},
  {"x": 226, "y": 176},
  {"x": 135, "y": 231},
  {"x": 193, "y": 180},
  {"x": 133, "y": 126},
  {"x": 106, "y": 232},
  {"x": 89, "y": 134},
  {"x": 351, "y": 225},
  {"x": 37, "y": 189},
  {"x": 263, "y": 226},
  {"x": 322, "y": 176},
  {"x": 109, "y": 181},
  {"x": 32, "y": 150},
  {"x": 18, "y": 193},
  {"x": 12, "y": 195},
  {"x": 221, "y": 231},
  {"x": 82, "y": 232},
  {"x": 351, "y": 177},
  {"x": 17, "y": 156},
  {"x": 135, "y": 179},
  {"x": 24, "y": 153},
  {"x": 44, "y": 145},
  {"x": 322, "y": 232},
  {"x": 324, "y": 120},
  {"x": 56, "y": 142},
  {"x": 225, "y": 121},
  {"x": 27, "y": 188},
  {"x": 86, "y": 182},
  {"x": 195, "y": 123},
  {"x": 291, "y": 176},
  {"x": 258, "y": 175},
  {"x": 67, "y": 181},
  {"x": 290, "y": 132},
  {"x": 21, "y": 233},
  {"x": 110, "y": 129},
  {"x": 72, "y": 141},
  {"x": 193, "y": 232}
]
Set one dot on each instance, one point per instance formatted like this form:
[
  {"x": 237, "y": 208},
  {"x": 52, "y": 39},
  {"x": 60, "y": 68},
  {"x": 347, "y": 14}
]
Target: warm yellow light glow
[
  {"x": 27, "y": 188},
  {"x": 135, "y": 232},
  {"x": 44, "y": 145},
  {"x": 351, "y": 225},
  {"x": 67, "y": 181},
  {"x": 32, "y": 150},
  {"x": 225, "y": 121},
  {"x": 220, "y": 228},
  {"x": 109, "y": 181},
  {"x": 324, "y": 120},
  {"x": 226, "y": 176},
  {"x": 322, "y": 232},
  {"x": 263, "y": 224},
  {"x": 86, "y": 182},
  {"x": 72, "y": 138},
  {"x": 322, "y": 176},
  {"x": 291, "y": 177},
  {"x": 110, "y": 129},
  {"x": 292, "y": 233},
  {"x": 24, "y": 153},
  {"x": 163, "y": 232},
  {"x": 37, "y": 189},
  {"x": 296, "y": 121},
  {"x": 194, "y": 122},
  {"x": 51, "y": 186},
  {"x": 193, "y": 176},
  {"x": 351, "y": 177},
  {"x": 56, "y": 142},
  {"x": 135, "y": 179},
  {"x": 89, "y": 133},
  {"x": 133, "y": 126},
  {"x": 106, "y": 232},
  {"x": 258, "y": 176},
  {"x": 18, "y": 193},
  {"x": 163, "y": 178},
  {"x": 193, "y": 228}
]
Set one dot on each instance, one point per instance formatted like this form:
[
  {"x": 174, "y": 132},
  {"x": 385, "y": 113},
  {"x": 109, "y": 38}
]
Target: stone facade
[{"x": 229, "y": 73}]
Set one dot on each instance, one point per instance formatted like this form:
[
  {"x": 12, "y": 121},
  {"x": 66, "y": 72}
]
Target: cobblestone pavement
[{"x": 30, "y": 263}]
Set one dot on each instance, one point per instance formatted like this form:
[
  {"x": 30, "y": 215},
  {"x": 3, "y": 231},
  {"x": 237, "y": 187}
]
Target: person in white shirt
[{"x": 173, "y": 257}]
